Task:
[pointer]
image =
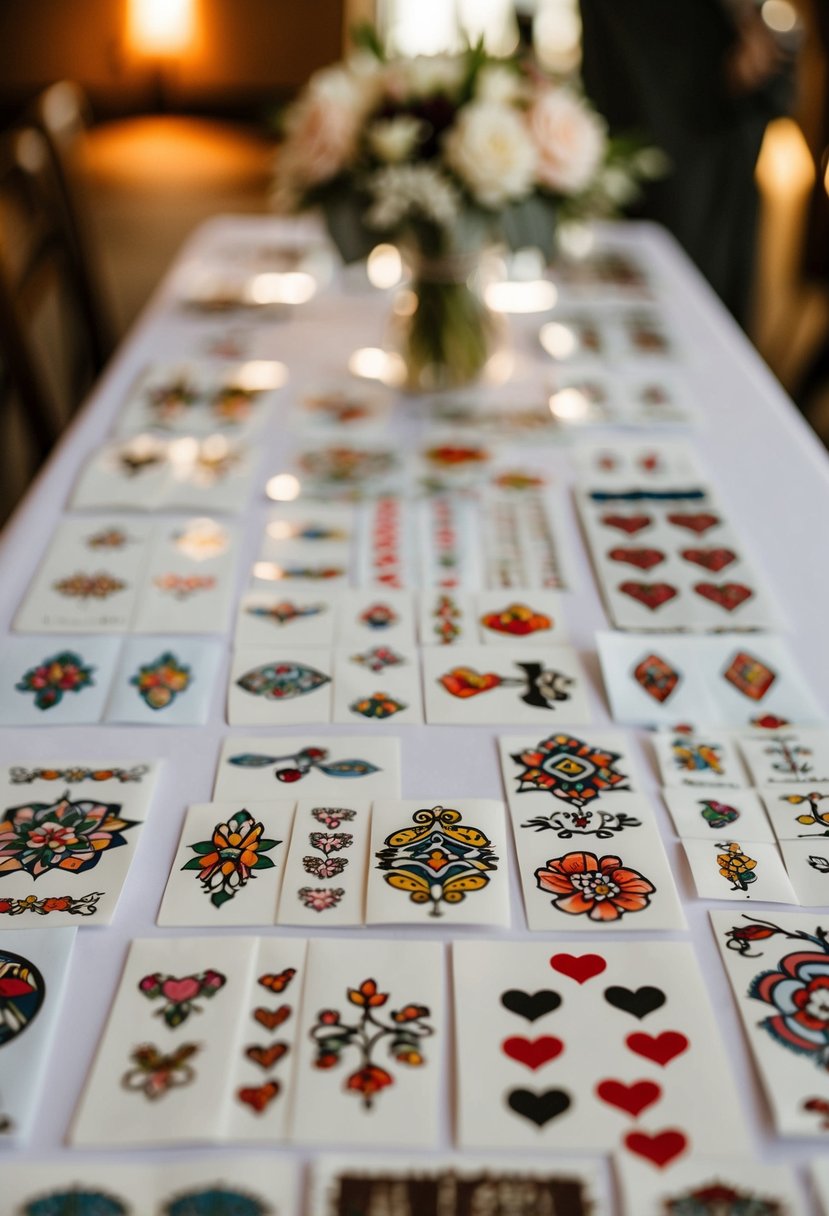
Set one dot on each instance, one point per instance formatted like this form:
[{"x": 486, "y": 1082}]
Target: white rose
[
  {"x": 324, "y": 126},
  {"x": 498, "y": 83},
  {"x": 392, "y": 139},
  {"x": 570, "y": 140},
  {"x": 491, "y": 151}
]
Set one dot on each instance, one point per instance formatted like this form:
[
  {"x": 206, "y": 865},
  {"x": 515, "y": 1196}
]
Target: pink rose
[{"x": 569, "y": 138}]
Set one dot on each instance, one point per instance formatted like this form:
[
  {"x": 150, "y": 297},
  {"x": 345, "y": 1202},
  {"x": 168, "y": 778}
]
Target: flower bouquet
[{"x": 441, "y": 155}]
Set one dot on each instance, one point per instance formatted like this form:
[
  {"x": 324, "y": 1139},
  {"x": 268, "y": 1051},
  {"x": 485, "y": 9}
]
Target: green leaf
[
  {"x": 365, "y": 37},
  {"x": 202, "y": 846},
  {"x": 266, "y": 845},
  {"x": 220, "y": 897},
  {"x": 192, "y": 864},
  {"x": 344, "y": 209},
  {"x": 262, "y": 863}
]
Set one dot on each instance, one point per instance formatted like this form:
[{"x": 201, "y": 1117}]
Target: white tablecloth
[{"x": 770, "y": 472}]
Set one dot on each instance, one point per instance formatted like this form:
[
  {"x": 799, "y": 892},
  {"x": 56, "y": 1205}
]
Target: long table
[{"x": 768, "y": 468}]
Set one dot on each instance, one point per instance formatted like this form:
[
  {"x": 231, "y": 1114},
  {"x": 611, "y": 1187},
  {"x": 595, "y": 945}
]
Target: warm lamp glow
[
  {"x": 785, "y": 168},
  {"x": 161, "y": 27}
]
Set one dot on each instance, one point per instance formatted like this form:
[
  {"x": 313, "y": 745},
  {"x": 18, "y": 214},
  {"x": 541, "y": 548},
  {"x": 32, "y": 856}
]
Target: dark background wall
[{"x": 246, "y": 54}]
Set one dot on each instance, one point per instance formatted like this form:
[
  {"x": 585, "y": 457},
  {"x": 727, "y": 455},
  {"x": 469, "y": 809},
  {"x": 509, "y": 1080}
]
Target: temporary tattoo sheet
[
  {"x": 376, "y": 684},
  {"x": 229, "y": 864},
  {"x": 788, "y": 756},
  {"x": 606, "y": 273},
  {"x": 258, "y": 1186},
  {"x": 89, "y": 578},
  {"x": 706, "y": 1185},
  {"x": 199, "y": 397},
  {"x": 589, "y": 852},
  {"x": 432, "y": 863},
  {"x": 778, "y": 965},
  {"x": 616, "y": 1048},
  {"x": 663, "y": 465},
  {"x": 518, "y": 535},
  {"x": 590, "y": 396},
  {"x": 739, "y": 869},
  {"x": 698, "y": 758},
  {"x": 371, "y": 1044},
  {"x": 700, "y": 814},
  {"x": 325, "y": 874},
  {"x": 448, "y": 541},
  {"x": 164, "y": 682},
  {"x": 263, "y": 1068},
  {"x": 160, "y": 1075},
  {"x": 456, "y": 1186},
  {"x": 386, "y": 555},
  {"x": 718, "y": 680},
  {"x": 488, "y": 684},
  {"x": 296, "y": 618},
  {"x": 328, "y": 767},
  {"x": 189, "y": 580},
  {"x": 59, "y": 681},
  {"x": 33, "y": 971},
  {"x": 150, "y": 473},
  {"x": 269, "y": 686},
  {"x": 666, "y": 561},
  {"x": 68, "y": 833}
]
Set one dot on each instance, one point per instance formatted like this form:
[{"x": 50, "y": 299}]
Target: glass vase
[{"x": 442, "y": 328}]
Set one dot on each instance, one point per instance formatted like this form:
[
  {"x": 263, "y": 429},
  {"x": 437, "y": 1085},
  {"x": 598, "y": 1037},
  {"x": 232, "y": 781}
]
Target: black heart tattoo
[
  {"x": 640, "y": 1003},
  {"x": 538, "y": 1108},
  {"x": 530, "y": 1005}
]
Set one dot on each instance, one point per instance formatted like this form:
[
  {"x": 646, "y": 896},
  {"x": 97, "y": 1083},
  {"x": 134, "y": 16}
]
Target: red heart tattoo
[
  {"x": 465, "y": 682},
  {"x": 180, "y": 990},
  {"x": 651, "y": 595},
  {"x": 660, "y": 1148},
  {"x": 697, "y": 521},
  {"x": 643, "y": 559},
  {"x": 710, "y": 559},
  {"x": 660, "y": 1048},
  {"x": 271, "y": 1018},
  {"x": 728, "y": 595},
  {"x": 627, "y": 523},
  {"x": 533, "y": 1052},
  {"x": 266, "y": 1057},
  {"x": 259, "y": 1097},
  {"x": 578, "y": 967},
  {"x": 633, "y": 1098}
]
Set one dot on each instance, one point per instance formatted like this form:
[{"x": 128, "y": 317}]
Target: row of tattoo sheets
[
  {"x": 490, "y": 658},
  {"x": 345, "y": 850},
  {"x": 327, "y": 1042},
  {"x": 395, "y": 1186}
]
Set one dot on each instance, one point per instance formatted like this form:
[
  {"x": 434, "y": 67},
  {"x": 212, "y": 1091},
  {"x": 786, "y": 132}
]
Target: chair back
[{"x": 62, "y": 112}]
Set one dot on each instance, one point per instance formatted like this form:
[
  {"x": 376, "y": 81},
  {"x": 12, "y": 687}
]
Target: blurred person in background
[{"x": 700, "y": 79}]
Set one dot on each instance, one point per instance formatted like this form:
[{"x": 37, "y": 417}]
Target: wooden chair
[
  {"x": 48, "y": 357},
  {"x": 63, "y": 114}
]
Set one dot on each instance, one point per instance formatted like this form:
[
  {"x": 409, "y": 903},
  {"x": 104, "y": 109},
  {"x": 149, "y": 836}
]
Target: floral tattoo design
[
  {"x": 72, "y": 837},
  {"x": 363, "y": 1029},
  {"x": 229, "y": 859}
]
